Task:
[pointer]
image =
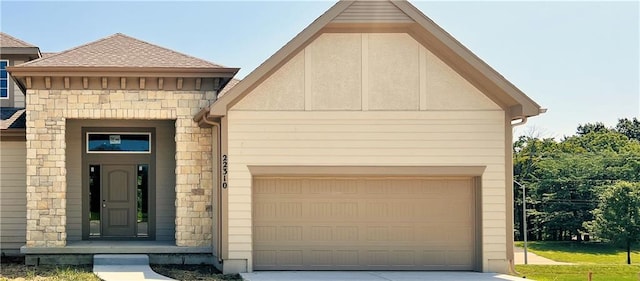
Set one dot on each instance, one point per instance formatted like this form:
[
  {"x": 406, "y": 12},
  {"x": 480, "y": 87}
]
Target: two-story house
[{"x": 13, "y": 51}]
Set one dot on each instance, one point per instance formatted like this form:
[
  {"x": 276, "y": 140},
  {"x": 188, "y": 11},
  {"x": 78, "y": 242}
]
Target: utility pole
[{"x": 524, "y": 220}]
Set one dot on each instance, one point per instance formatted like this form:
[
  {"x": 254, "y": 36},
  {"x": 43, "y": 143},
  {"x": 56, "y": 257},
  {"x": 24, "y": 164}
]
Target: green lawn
[
  {"x": 607, "y": 263},
  {"x": 601, "y": 272},
  {"x": 13, "y": 271},
  {"x": 582, "y": 253}
]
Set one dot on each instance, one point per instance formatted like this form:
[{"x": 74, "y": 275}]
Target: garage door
[{"x": 363, "y": 224}]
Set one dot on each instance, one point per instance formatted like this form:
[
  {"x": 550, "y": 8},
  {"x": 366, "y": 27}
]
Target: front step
[{"x": 120, "y": 260}]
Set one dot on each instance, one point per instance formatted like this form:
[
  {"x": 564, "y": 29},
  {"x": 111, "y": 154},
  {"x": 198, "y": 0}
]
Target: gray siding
[
  {"x": 166, "y": 182},
  {"x": 165, "y": 174},
  {"x": 16, "y": 96},
  {"x": 13, "y": 196},
  {"x": 74, "y": 181}
]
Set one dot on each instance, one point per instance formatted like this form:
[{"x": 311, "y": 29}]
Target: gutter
[
  {"x": 521, "y": 120},
  {"x": 119, "y": 71}
]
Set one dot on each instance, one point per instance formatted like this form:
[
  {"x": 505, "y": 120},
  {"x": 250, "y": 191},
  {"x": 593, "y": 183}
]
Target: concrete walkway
[
  {"x": 518, "y": 258},
  {"x": 374, "y": 276},
  {"x": 125, "y": 267}
]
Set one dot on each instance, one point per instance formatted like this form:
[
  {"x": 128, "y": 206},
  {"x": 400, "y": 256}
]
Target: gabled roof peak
[{"x": 397, "y": 15}]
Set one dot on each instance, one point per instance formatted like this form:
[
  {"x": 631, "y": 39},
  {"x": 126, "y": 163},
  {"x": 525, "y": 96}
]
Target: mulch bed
[
  {"x": 13, "y": 268},
  {"x": 194, "y": 272}
]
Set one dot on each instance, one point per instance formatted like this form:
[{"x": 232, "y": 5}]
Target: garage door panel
[
  {"x": 434, "y": 257},
  {"x": 459, "y": 258},
  {"x": 404, "y": 258},
  {"x": 262, "y": 233},
  {"x": 290, "y": 257},
  {"x": 365, "y": 234},
  {"x": 267, "y": 258},
  {"x": 363, "y": 224},
  {"x": 358, "y": 259},
  {"x": 264, "y": 210}
]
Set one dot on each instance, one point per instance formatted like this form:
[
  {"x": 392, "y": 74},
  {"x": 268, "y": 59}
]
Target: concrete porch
[{"x": 81, "y": 252}]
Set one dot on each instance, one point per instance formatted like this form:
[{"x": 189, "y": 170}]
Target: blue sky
[{"x": 578, "y": 59}]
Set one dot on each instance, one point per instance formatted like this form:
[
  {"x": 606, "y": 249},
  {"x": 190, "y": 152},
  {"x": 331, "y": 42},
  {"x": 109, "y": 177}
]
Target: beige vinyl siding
[
  {"x": 165, "y": 174},
  {"x": 410, "y": 138},
  {"x": 13, "y": 196}
]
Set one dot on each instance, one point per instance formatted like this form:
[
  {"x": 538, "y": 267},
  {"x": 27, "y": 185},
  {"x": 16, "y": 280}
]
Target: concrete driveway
[{"x": 373, "y": 276}]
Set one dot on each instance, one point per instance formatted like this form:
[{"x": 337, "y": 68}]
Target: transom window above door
[{"x": 116, "y": 142}]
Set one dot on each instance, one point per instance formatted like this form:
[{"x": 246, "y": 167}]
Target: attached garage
[
  {"x": 365, "y": 223},
  {"x": 373, "y": 140}
]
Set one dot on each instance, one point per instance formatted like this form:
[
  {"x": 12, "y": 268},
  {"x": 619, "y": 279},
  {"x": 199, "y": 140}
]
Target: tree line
[{"x": 572, "y": 184}]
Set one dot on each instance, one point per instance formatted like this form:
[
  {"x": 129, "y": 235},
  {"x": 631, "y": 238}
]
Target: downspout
[
  {"x": 216, "y": 155},
  {"x": 520, "y": 120}
]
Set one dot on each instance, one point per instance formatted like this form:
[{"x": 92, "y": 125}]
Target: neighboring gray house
[
  {"x": 373, "y": 140},
  {"x": 13, "y": 211}
]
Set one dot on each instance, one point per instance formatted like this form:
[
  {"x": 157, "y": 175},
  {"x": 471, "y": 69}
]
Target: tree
[
  {"x": 565, "y": 178},
  {"x": 591, "y": 127},
  {"x": 629, "y": 128},
  {"x": 617, "y": 217}
]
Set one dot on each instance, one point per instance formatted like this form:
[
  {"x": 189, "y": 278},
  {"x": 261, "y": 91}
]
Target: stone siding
[{"x": 47, "y": 111}]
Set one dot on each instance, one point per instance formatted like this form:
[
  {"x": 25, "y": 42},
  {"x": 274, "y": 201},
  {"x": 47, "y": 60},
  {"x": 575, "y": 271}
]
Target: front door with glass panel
[{"x": 117, "y": 177}]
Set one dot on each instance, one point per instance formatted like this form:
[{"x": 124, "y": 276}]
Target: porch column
[
  {"x": 46, "y": 171},
  {"x": 193, "y": 183}
]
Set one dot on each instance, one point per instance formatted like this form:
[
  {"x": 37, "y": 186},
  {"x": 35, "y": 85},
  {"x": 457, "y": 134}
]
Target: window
[
  {"x": 94, "y": 200},
  {"x": 4, "y": 80},
  {"x": 114, "y": 142}
]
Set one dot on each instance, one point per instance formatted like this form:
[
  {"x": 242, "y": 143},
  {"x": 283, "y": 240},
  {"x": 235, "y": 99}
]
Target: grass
[
  {"x": 601, "y": 272},
  {"x": 582, "y": 253},
  {"x": 605, "y": 262},
  {"x": 14, "y": 269}
]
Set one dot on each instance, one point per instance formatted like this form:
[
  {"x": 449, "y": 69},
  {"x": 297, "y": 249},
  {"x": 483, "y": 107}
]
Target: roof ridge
[
  {"x": 67, "y": 51},
  {"x": 19, "y": 40},
  {"x": 126, "y": 39},
  {"x": 170, "y": 50}
]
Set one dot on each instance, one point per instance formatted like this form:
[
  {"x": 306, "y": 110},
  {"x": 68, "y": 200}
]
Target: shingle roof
[
  {"x": 9, "y": 41},
  {"x": 48, "y": 54},
  {"x": 120, "y": 50},
  {"x": 20, "y": 122},
  {"x": 12, "y": 118},
  {"x": 228, "y": 87},
  {"x": 7, "y": 112}
]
